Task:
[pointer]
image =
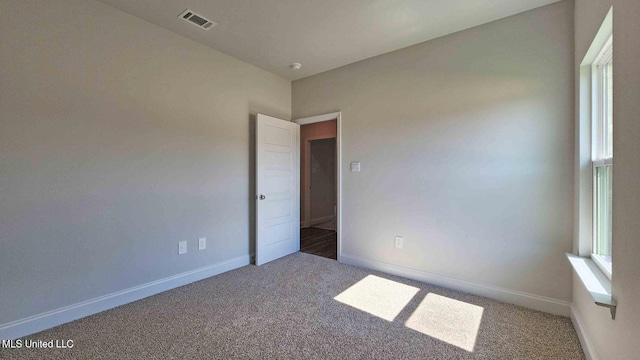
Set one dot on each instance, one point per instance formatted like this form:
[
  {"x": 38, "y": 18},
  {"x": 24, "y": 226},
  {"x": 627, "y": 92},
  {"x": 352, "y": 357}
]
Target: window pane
[
  {"x": 608, "y": 112},
  {"x": 602, "y": 241}
]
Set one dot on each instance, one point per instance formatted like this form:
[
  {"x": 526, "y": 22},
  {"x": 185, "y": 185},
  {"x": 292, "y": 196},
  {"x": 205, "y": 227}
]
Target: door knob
[{"x": 262, "y": 197}]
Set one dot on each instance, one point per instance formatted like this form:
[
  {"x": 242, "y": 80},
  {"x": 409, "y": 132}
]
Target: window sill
[{"x": 596, "y": 282}]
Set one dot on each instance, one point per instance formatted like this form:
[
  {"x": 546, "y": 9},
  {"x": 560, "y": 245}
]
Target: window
[
  {"x": 594, "y": 168},
  {"x": 602, "y": 156}
]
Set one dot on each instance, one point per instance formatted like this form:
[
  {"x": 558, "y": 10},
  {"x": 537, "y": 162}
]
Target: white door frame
[{"x": 337, "y": 116}]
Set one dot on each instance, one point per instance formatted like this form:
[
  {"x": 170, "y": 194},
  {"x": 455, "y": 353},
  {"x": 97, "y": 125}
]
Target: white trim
[
  {"x": 603, "y": 162},
  {"x": 583, "y": 335},
  {"x": 602, "y": 264},
  {"x": 605, "y": 31},
  {"x": 321, "y": 220},
  {"x": 337, "y": 116},
  {"x": 593, "y": 278},
  {"x": 317, "y": 118},
  {"x": 606, "y": 53},
  {"x": 49, "y": 319},
  {"x": 536, "y": 302},
  {"x": 583, "y": 179}
]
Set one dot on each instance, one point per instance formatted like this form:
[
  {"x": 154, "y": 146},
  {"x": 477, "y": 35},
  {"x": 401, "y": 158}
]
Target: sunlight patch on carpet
[
  {"x": 377, "y": 296},
  {"x": 452, "y": 321}
]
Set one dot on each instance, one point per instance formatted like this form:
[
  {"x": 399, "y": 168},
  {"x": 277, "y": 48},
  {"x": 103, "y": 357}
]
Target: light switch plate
[
  {"x": 355, "y": 166},
  {"x": 399, "y": 242}
]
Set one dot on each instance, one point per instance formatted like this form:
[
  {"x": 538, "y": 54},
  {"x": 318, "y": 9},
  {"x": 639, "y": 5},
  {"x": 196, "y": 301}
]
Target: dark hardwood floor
[{"x": 319, "y": 242}]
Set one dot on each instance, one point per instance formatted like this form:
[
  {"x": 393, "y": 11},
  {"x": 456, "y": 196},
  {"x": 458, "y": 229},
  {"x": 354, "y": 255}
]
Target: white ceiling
[{"x": 320, "y": 34}]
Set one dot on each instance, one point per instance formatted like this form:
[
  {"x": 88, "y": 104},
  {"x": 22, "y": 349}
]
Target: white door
[{"x": 277, "y": 188}]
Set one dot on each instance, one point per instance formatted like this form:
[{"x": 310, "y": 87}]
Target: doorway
[{"x": 320, "y": 185}]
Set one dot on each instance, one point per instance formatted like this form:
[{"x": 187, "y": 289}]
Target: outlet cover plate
[
  {"x": 202, "y": 243},
  {"x": 182, "y": 247}
]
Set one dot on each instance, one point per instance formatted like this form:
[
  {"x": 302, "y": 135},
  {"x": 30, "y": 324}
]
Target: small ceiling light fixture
[{"x": 296, "y": 66}]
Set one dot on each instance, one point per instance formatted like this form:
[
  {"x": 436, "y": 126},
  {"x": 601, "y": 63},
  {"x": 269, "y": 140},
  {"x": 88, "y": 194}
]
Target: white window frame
[
  {"x": 595, "y": 277},
  {"x": 599, "y": 157}
]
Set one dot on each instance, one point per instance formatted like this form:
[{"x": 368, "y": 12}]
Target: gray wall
[
  {"x": 117, "y": 140},
  {"x": 617, "y": 339},
  {"x": 323, "y": 178},
  {"x": 466, "y": 145}
]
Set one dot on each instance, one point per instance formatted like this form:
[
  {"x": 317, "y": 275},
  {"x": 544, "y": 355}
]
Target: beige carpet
[{"x": 308, "y": 307}]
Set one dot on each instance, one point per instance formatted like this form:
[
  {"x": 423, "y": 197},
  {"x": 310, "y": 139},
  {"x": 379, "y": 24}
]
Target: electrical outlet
[
  {"x": 399, "y": 242},
  {"x": 182, "y": 247},
  {"x": 202, "y": 243}
]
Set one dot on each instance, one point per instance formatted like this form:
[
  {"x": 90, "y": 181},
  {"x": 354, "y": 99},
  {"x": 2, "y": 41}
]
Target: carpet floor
[{"x": 308, "y": 307}]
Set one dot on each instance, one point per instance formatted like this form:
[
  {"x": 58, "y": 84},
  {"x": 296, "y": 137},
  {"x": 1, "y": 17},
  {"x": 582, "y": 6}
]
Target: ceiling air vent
[{"x": 197, "y": 20}]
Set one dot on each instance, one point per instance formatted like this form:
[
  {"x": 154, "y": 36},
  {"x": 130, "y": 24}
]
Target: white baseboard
[
  {"x": 49, "y": 319},
  {"x": 585, "y": 340},
  {"x": 320, "y": 220},
  {"x": 531, "y": 301}
]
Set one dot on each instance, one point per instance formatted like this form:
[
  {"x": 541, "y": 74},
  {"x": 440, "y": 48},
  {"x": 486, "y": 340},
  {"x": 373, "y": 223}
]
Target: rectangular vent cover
[{"x": 197, "y": 20}]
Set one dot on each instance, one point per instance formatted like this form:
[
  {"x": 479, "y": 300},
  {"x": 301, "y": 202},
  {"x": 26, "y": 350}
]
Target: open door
[{"x": 277, "y": 188}]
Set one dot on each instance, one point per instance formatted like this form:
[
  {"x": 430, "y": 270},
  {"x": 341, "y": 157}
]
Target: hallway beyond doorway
[{"x": 319, "y": 242}]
